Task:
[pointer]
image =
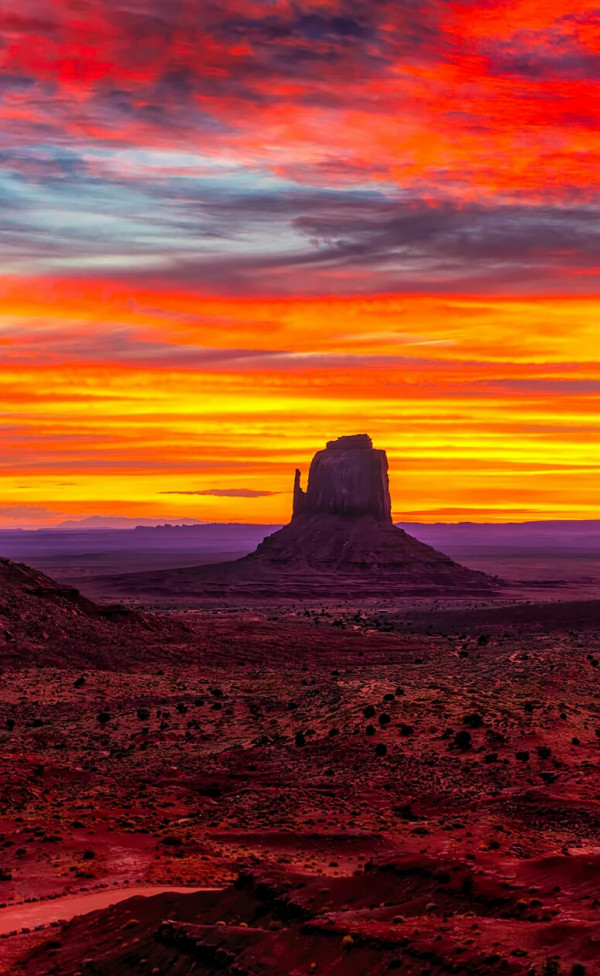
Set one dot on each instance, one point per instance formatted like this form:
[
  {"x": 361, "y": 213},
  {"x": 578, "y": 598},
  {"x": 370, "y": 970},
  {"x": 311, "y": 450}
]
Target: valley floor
[{"x": 372, "y": 797}]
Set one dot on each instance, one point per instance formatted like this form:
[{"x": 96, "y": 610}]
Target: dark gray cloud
[
  {"x": 225, "y": 493},
  {"x": 345, "y": 239},
  {"x": 455, "y": 233},
  {"x": 537, "y": 56}
]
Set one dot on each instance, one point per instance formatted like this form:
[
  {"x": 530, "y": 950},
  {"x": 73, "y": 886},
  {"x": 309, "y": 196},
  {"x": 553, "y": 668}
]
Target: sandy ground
[{"x": 448, "y": 776}]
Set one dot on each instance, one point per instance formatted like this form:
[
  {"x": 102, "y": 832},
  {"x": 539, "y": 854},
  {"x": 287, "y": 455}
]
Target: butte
[{"x": 341, "y": 543}]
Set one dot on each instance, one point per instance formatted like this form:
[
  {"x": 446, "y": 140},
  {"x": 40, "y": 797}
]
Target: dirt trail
[{"x": 14, "y": 918}]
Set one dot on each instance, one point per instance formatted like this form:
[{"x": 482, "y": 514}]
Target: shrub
[
  {"x": 143, "y": 714},
  {"x": 462, "y": 739},
  {"x": 551, "y": 967}
]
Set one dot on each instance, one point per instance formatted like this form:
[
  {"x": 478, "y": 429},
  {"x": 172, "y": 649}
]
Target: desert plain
[{"x": 395, "y": 786}]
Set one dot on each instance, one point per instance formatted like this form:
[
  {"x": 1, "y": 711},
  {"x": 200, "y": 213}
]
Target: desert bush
[
  {"x": 551, "y": 967},
  {"x": 462, "y": 739},
  {"x": 473, "y": 720}
]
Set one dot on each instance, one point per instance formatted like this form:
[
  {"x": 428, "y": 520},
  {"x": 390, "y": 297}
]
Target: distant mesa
[
  {"x": 340, "y": 543},
  {"x": 108, "y": 522}
]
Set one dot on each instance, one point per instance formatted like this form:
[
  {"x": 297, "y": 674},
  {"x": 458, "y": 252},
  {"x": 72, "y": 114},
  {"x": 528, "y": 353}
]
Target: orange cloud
[{"x": 482, "y": 404}]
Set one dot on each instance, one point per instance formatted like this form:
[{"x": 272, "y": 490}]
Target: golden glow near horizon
[{"x": 487, "y": 408}]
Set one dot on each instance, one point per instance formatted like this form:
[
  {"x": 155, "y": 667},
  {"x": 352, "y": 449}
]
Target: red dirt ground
[{"x": 407, "y": 792}]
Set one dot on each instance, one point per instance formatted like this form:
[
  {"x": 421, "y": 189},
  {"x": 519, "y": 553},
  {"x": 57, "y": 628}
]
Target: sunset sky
[{"x": 231, "y": 231}]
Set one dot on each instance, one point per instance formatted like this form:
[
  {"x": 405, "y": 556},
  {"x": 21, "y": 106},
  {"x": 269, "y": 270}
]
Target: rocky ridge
[{"x": 43, "y": 621}]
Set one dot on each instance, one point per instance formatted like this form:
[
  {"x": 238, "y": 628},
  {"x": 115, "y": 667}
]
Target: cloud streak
[{"x": 226, "y": 493}]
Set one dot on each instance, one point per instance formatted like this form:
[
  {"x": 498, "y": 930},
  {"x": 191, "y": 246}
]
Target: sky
[{"x": 232, "y": 231}]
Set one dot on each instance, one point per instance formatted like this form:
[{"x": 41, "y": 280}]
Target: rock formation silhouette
[
  {"x": 348, "y": 478},
  {"x": 342, "y": 530},
  {"x": 340, "y": 543}
]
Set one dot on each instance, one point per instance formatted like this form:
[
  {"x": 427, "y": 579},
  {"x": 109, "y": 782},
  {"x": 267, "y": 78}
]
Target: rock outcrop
[
  {"x": 43, "y": 621},
  {"x": 341, "y": 543},
  {"x": 348, "y": 478}
]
